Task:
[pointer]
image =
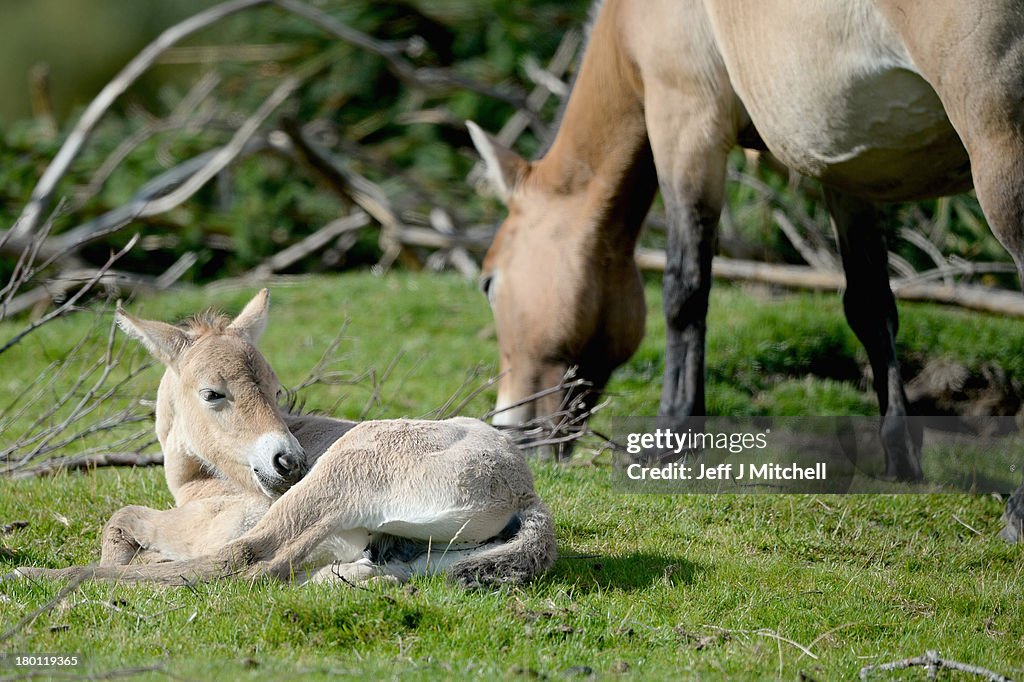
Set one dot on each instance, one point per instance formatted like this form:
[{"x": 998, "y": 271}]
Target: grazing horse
[
  {"x": 307, "y": 497},
  {"x": 880, "y": 100}
]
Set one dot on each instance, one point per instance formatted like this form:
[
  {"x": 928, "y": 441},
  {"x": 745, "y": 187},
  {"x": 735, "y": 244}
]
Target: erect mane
[
  {"x": 588, "y": 28},
  {"x": 209, "y": 321}
]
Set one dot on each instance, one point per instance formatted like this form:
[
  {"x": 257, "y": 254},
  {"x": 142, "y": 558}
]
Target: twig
[
  {"x": 318, "y": 374},
  {"x": 69, "y": 304},
  {"x": 446, "y": 410},
  {"x": 12, "y": 526},
  {"x": 47, "y": 185},
  {"x": 966, "y": 525},
  {"x": 933, "y": 663},
  {"x": 562, "y": 386},
  {"x": 765, "y": 632},
  {"x": 374, "y": 398},
  {"x": 311, "y": 244},
  {"x": 61, "y": 596}
]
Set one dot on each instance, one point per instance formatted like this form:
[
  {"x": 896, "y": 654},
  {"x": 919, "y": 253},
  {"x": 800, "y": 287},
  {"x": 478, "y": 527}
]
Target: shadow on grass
[{"x": 588, "y": 573}]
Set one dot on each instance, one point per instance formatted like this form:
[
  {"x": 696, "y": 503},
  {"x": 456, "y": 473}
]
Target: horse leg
[
  {"x": 283, "y": 544},
  {"x": 143, "y": 535},
  {"x": 691, "y": 174},
  {"x": 364, "y": 570},
  {"x": 973, "y": 60},
  {"x": 871, "y": 312}
]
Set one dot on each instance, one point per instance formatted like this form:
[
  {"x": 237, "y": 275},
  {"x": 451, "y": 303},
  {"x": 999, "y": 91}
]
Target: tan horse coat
[{"x": 309, "y": 497}]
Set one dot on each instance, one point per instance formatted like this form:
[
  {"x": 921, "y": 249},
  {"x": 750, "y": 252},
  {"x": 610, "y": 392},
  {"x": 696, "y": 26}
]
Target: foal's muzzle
[
  {"x": 289, "y": 467},
  {"x": 278, "y": 462}
]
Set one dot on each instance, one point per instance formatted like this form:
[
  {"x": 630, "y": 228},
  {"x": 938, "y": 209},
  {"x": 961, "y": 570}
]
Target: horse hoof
[
  {"x": 1013, "y": 517},
  {"x": 1012, "y": 533}
]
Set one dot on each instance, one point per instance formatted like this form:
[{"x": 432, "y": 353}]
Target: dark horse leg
[
  {"x": 687, "y": 286},
  {"x": 871, "y": 312},
  {"x": 980, "y": 84},
  {"x": 691, "y": 167}
]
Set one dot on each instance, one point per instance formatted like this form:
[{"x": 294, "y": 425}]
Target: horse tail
[{"x": 523, "y": 556}]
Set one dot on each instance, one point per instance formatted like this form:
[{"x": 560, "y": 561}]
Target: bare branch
[
  {"x": 973, "y": 297},
  {"x": 311, "y": 244},
  {"x": 70, "y": 303},
  {"x": 819, "y": 259},
  {"x": 87, "y": 462},
  {"x": 47, "y": 185},
  {"x": 933, "y": 663}
]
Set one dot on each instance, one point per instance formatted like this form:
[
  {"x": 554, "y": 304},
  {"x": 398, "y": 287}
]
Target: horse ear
[
  {"x": 251, "y": 322},
  {"x": 504, "y": 166},
  {"x": 164, "y": 341}
]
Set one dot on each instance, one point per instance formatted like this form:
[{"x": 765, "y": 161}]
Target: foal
[{"x": 303, "y": 497}]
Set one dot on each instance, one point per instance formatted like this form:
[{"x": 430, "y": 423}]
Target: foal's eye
[{"x": 210, "y": 395}]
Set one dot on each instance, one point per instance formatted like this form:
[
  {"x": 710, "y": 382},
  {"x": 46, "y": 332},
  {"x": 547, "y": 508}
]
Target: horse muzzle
[{"x": 278, "y": 463}]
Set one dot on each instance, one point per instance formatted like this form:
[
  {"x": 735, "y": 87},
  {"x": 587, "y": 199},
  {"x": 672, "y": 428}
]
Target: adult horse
[{"x": 881, "y": 100}]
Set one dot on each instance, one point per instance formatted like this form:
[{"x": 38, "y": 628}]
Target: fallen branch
[
  {"x": 933, "y": 663},
  {"x": 88, "y": 462},
  {"x": 311, "y": 244},
  {"x": 971, "y": 296}
]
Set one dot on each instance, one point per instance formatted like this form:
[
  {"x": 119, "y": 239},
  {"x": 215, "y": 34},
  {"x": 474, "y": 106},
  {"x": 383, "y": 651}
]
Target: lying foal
[{"x": 311, "y": 498}]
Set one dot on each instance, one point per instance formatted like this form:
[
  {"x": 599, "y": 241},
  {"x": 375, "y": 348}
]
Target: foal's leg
[
  {"x": 871, "y": 312},
  {"x": 145, "y": 535},
  {"x": 282, "y": 544}
]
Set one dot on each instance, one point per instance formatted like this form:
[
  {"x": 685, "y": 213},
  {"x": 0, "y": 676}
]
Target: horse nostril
[{"x": 286, "y": 464}]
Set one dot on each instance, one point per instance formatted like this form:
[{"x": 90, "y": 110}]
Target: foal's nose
[{"x": 288, "y": 466}]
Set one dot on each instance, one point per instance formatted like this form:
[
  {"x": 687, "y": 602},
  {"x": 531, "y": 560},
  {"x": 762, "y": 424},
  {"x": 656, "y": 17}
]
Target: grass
[{"x": 658, "y": 586}]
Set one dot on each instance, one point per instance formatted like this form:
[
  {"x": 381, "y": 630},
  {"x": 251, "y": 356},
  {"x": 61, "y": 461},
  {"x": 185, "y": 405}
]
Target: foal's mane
[{"x": 209, "y": 321}]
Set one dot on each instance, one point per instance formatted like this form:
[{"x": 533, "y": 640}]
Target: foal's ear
[
  {"x": 504, "y": 166},
  {"x": 163, "y": 340},
  {"x": 251, "y": 322}
]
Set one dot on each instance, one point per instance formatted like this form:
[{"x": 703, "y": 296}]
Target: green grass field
[{"x": 648, "y": 586}]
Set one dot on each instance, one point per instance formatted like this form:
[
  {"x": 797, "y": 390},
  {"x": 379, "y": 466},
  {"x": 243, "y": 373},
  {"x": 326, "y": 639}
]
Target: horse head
[
  {"x": 217, "y": 405},
  {"x": 563, "y": 301}
]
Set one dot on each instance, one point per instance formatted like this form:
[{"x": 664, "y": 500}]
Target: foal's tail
[{"x": 525, "y": 555}]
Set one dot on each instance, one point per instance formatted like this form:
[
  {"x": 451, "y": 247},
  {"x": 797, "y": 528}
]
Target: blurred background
[
  {"x": 79, "y": 45},
  {"x": 396, "y": 124},
  {"x": 372, "y": 124}
]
